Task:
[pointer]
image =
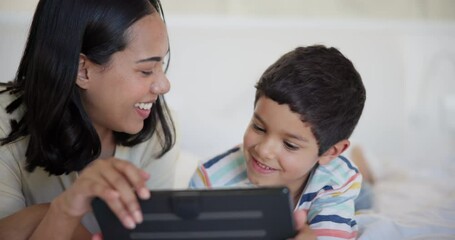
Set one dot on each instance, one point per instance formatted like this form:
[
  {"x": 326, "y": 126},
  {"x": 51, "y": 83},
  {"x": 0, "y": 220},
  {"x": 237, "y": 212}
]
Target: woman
[{"x": 85, "y": 117}]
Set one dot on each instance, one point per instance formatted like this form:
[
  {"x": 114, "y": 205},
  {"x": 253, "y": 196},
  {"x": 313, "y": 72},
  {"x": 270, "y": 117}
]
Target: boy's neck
[{"x": 296, "y": 195}]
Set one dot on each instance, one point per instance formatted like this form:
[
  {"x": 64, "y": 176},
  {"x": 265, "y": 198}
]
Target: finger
[
  {"x": 77, "y": 199},
  {"x": 136, "y": 177},
  {"x": 127, "y": 198},
  {"x": 97, "y": 236},
  {"x": 121, "y": 211},
  {"x": 111, "y": 196}
]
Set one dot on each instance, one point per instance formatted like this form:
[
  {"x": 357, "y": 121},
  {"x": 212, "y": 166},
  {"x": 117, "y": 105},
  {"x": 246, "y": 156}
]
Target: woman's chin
[{"x": 134, "y": 129}]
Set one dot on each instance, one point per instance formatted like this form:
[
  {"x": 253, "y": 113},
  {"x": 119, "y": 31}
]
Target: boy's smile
[{"x": 279, "y": 148}]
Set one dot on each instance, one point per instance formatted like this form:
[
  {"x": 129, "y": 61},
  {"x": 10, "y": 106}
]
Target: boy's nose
[{"x": 267, "y": 149}]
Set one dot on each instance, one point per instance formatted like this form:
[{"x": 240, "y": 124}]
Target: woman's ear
[
  {"x": 82, "y": 72},
  {"x": 334, "y": 151}
]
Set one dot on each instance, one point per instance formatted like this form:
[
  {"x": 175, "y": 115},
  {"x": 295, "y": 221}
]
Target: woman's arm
[
  {"x": 21, "y": 225},
  {"x": 115, "y": 181}
]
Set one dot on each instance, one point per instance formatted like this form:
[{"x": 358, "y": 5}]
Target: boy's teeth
[{"x": 264, "y": 166}]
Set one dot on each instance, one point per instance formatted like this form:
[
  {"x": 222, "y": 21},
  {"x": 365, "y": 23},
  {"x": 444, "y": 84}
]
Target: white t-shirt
[{"x": 20, "y": 188}]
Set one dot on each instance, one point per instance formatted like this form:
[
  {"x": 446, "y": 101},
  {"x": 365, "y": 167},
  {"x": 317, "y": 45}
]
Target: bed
[{"x": 410, "y": 202}]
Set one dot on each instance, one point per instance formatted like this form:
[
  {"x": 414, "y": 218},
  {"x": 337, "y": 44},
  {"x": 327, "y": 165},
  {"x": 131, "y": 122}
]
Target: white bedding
[{"x": 411, "y": 202}]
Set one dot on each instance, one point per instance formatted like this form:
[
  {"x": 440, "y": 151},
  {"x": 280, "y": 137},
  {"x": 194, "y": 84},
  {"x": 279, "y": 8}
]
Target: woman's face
[{"x": 118, "y": 96}]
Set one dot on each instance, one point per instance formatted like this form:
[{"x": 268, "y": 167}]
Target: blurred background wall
[{"x": 404, "y": 50}]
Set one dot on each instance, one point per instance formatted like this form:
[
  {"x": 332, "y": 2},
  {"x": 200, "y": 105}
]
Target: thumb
[{"x": 300, "y": 217}]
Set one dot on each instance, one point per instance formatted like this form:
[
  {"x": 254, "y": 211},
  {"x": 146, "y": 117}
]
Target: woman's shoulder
[{"x": 6, "y": 98}]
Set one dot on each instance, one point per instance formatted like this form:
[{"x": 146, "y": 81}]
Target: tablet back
[{"x": 253, "y": 213}]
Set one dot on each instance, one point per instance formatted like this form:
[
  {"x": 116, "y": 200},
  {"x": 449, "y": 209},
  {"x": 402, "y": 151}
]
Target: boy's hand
[{"x": 303, "y": 229}]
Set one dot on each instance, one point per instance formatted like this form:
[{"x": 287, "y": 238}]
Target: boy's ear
[
  {"x": 82, "y": 72},
  {"x": 334, "y": 151}
]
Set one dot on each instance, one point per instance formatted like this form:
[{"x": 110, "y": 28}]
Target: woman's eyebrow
[{"x": 150, "y": 59}]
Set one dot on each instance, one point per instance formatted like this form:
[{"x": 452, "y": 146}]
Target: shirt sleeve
[
  {"x": 199, "y": 180},
  {"x": 332, "y": 213},
  {"x": 11, "y": 196}
]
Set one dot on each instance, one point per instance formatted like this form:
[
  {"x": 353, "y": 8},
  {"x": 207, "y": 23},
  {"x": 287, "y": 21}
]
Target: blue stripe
[
  {"x": 333, "y": 218},
  {"x": 307, "y": 197},
  {"x": 214, "y": 160},
  {"x": 345, "y": 160},
  {"x": 327, "y": 187}
]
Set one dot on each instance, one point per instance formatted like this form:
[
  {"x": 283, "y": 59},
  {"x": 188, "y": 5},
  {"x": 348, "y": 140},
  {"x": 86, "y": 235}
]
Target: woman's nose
[{"x": 161, "y": 85}]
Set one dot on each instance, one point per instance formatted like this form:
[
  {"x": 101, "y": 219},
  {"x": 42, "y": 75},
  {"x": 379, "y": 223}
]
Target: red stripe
[
  {"x": 206, "y": 178},
  {"x": 335, "y": 233}
]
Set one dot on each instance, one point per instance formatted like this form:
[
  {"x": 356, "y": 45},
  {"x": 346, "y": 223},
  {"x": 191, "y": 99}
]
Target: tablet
[{"x": 241, "y": 213}]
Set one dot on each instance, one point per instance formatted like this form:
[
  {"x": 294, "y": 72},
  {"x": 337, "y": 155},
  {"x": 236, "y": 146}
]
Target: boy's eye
[
  {"x": 258, "y": 128},
  {"x": 290, "y": 146}
]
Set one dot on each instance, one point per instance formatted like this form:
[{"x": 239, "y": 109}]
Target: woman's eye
[
  {"x": 146, "y": 73},
  {"x": 290, "y": 146}
]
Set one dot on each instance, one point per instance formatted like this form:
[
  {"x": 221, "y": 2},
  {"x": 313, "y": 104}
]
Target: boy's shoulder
[
  {"x": 333, "y": 182},
  {"x": 232, "y": 155},
  {"x": 226, "y": 169},
  {"x": 336, "y": 174}
]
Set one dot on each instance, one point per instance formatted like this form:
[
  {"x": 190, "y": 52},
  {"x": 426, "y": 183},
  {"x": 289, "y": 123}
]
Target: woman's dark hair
[
  {"x": 62, "y": 138},
  {"x": 322, "y": 86}
]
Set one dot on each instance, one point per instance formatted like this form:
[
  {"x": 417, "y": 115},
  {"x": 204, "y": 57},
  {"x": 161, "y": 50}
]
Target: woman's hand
[
  {"x": 116, "y": 182},
  {"x": 97, "y": 236},
  {"x": 303, "y": 229}
]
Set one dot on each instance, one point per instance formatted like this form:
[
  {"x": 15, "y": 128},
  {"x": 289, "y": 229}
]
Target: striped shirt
[{"x": 328, "y": 198}]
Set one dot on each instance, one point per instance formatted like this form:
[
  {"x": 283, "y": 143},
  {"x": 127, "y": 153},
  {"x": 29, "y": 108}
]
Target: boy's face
[{"x": 279, "y": 148}]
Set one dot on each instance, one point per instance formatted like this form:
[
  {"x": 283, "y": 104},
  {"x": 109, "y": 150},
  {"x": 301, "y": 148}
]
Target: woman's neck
[{"x": 107, "y": 143}]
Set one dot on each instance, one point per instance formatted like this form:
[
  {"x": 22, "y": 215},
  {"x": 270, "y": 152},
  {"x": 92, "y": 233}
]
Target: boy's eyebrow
[
  {"x": 150, "y": 59},
  {"x": 258, "y": 117},
  {"x": 297, "y": 137},
  {"x": 287, "y": 134}
]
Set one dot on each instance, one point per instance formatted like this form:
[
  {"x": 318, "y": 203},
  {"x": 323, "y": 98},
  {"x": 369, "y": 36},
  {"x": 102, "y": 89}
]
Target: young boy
[{"x": 306, "y": 107}]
